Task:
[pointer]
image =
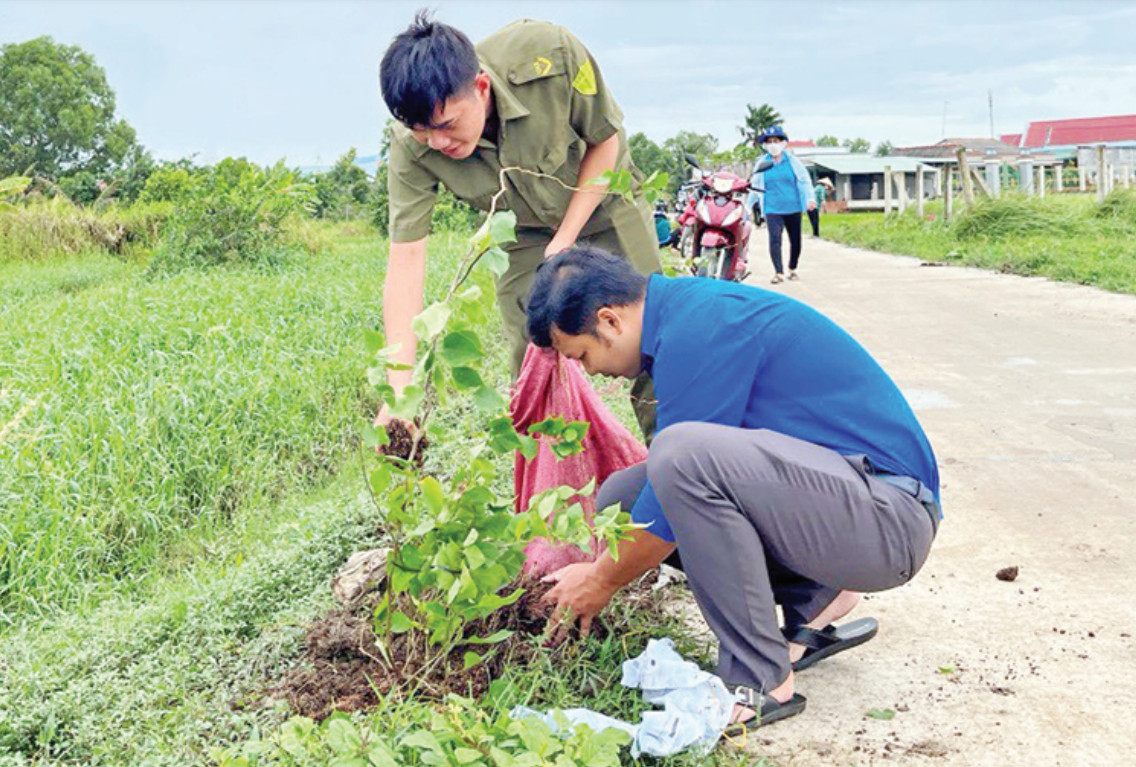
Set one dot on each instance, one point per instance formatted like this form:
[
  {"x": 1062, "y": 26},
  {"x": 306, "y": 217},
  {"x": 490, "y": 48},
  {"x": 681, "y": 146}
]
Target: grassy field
[
  {"x": 1069, "y": 238},
  {"x": 179, "y": 480}
]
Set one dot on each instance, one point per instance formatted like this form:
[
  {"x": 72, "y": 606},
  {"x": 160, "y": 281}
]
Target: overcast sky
[{"x": 271, "y": 79}]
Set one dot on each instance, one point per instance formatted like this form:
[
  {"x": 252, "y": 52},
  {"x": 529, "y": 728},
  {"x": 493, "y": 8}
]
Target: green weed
[
  {"x": 154, "y": 414},
  {"x": 1066, "y": 237}
]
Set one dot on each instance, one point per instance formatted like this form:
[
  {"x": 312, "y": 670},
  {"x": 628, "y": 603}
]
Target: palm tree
[{"x": 758, "y": 119}]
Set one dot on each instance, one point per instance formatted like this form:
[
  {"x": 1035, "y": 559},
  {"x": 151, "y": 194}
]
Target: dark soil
[
  {"x": 1007, "y": 573},
  {"x": 402, "y": 442},
  {"x": 344, "y": 670}
]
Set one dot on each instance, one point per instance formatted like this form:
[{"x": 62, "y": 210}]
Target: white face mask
[{"x": 775, "y": 148}]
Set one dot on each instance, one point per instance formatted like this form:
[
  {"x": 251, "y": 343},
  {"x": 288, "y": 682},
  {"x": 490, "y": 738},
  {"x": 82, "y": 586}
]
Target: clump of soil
[
  {"x": 402, "y": 442},
  {"x": 1007, "y": 573},
  {"x": 344, "y": 669}
]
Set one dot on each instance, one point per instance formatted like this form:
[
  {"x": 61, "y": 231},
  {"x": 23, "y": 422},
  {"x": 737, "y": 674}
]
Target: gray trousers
[{"x": 763, "y": 519}]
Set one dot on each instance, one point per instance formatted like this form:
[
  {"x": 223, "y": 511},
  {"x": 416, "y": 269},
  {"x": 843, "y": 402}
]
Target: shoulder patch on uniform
[
  {"x": 585, "y": 80},
  {"x": 542, "y": 65}
]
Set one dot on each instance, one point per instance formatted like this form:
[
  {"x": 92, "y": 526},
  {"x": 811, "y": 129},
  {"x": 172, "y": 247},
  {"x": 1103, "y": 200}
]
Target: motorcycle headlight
[{"x": 722, "y": 185}]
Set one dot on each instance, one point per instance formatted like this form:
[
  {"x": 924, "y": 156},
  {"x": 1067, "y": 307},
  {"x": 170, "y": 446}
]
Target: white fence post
[{"x": 919, "y": 191}]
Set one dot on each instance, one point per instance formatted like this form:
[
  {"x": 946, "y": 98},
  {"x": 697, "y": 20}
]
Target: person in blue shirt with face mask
[{"x": 788, "y": 193}]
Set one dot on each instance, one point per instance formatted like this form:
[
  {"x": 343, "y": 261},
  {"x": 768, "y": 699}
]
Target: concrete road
[{"x": 1027, "y": 390}]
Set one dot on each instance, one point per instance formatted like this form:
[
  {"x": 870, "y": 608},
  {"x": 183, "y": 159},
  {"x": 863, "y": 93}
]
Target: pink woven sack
[{"x": 552, "y": 385}]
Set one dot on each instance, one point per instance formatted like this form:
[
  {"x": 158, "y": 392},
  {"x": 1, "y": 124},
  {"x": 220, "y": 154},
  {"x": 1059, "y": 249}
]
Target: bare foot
[{"x": 836, "y": 610}]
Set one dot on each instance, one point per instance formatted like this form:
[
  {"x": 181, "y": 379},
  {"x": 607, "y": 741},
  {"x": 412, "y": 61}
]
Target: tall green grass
[
  {"x": 53, "y": 228},
  {"x": 1067, "y": 237},
  {"x": 140, "y": 418}
]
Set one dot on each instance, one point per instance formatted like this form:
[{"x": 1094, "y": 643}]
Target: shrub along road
[{"x": 1025, "y": 388}]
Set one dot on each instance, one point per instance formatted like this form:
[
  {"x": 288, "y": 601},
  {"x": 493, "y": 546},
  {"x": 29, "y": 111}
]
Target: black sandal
[
  {"x": 768, "y": 710},
  {"x": 830, "y": 640}
]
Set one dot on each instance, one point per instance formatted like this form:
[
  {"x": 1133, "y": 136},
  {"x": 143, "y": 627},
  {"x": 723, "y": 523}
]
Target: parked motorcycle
[{"x": 715, "y": 227}]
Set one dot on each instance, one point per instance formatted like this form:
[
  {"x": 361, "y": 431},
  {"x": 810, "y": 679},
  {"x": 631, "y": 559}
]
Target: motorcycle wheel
[
  {"x": 686, "y": 243},
  {"x": 721, "y": 264}
]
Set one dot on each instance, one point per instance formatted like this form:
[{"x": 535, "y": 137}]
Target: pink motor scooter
[{"x": 716, "y": 226}]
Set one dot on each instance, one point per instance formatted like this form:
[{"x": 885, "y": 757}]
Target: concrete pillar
[
  {"x": 887, "y": 189},
  {"x": 1102, "y": 174},
  {"x": 919, "y": 191},
  {"x": 994, "y": 177},
  {"x": 1040, "y": 180},
  {"x": 1083, "y": 177},
  {"x": 900, "y": 180},
  {"x": 948, "y": 193},
  {"x": 1025, "y": 177}
]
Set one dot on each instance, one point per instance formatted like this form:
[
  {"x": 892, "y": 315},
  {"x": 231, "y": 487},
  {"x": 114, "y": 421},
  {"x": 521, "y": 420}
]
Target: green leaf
[
  {"x": 947, "y": 669},
  {"x": 471, "y": 659},
  {"x": 496, "y": 260},
  {"x": 342, "y": 737},
  {"x": 406, "y": 406},
  {"x": 423, "y": 739},
  {"x": 380, "y": 479},
  {"x": 400, "y": 623},
  {"x": 503, "y": 227},
  {"x": 475, "y": 558},
  {"x": 529, "y": 447},
  {"x": 432, "y": 321},
  {"x": 374, "y": 340},
  {"x": 466, "y": 755},
  {"x": 373, "y": 436},
  {"x": 494, "y": 638},
  {"x": 488, "y": 400},
  {"x": 432, "y": 492},
  {"x": 462, "y": 347},
  {"x": 466, "y": 378},
  {"x": 381, "y": 755},
  {"x": 469, "y": 295},
  {"x": 881, "y": 713}
]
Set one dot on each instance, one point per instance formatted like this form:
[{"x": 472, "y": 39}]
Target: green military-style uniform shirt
[{"x": 551, "y": 104}]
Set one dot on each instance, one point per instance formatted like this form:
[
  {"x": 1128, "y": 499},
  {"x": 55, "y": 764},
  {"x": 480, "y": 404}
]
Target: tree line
[{"x": 58, "y": 125}]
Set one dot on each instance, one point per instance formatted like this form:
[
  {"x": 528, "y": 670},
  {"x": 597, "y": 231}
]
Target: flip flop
[
  {"x": 793, "y": 276},
  {"x": 777, "y": 279},
  {"x": 768, "y": 710},
  {"x": 830, "y": 640}
]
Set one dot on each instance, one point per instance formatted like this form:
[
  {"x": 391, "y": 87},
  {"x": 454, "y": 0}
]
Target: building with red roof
[{"x": 1069, "y": 134}]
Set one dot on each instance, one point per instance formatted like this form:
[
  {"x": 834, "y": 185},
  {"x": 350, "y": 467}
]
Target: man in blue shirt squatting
[{"x": 788, "y": 468}]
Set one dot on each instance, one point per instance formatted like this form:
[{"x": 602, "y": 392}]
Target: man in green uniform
[{"x": 531, "y": 97}]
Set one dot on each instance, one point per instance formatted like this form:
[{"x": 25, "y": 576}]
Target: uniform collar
[{"x": 508, "y": 107}]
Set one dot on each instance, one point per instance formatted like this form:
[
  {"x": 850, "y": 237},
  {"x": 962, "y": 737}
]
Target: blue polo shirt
[
  {"x": 781, "y": 194},
  {"x": 737, "y": 355}
]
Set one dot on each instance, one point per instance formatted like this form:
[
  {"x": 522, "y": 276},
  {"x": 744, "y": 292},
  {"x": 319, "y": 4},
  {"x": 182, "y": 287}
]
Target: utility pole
[{"x": 990, "y": 101}]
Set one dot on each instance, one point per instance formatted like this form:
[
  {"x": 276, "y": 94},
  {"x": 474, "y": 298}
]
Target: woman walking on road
[
  {"x": 821, "y": 192},
  {"x": 788, "y": 193}
]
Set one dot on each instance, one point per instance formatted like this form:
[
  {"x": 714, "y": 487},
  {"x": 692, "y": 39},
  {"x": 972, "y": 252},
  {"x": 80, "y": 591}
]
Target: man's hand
[
  {"x": 557, "y": 245},
  {"x": 812, "y": 205},
  {"x": 579, "y": 593}
]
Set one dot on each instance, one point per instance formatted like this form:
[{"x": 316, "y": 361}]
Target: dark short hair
[
  {"x": 572, "y": 286},
  {"x": 424, "y": 66}
]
